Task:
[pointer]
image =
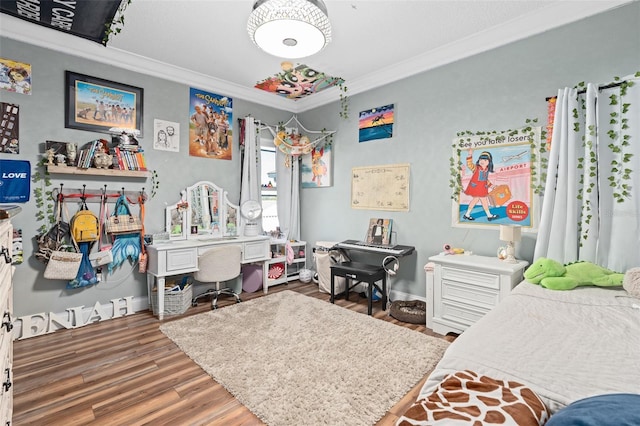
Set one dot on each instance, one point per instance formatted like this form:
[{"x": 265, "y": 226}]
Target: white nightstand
[{"x": 462, "y": 288}]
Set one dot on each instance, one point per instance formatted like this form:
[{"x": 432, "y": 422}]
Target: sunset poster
[{"x": 376, "y": 123}]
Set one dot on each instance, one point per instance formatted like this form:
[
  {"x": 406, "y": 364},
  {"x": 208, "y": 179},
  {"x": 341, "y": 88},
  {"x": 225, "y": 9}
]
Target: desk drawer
[
  {"x": 255, "y": 250},
  {"x": 182, "y": 259}
]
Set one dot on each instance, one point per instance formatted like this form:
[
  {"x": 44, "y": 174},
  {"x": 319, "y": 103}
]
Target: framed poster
[
  {"x": 98, "y": 105},
  {"x": 494, "y": 178}
]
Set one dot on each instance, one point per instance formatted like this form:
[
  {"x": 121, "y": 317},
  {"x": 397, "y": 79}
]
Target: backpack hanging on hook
[{"x": 84, "y": 224}]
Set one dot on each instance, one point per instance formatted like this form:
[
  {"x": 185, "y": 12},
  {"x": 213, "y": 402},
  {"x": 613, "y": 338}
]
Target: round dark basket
[{"x": 411, "y": 311}]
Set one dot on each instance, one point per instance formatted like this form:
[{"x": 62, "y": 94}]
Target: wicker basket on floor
[{"x": 175, "y": 302}]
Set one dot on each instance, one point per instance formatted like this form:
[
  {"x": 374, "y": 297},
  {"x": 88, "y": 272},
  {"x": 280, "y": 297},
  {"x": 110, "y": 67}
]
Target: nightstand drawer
[
  {"x": 461, "y": 313},
  {"x": 475, "y": 278},
  {"x": 470, "y": 294}
]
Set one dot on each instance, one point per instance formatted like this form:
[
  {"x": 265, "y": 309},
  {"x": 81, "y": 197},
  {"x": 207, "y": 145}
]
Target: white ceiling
[{"x": 204, "y": 43}]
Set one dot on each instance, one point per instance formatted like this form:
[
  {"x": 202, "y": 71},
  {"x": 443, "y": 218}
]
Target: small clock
[{"x": 251, "y": 210}]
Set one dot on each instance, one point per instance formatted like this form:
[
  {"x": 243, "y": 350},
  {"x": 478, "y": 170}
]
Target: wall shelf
[{"x": 93, "y": 171}]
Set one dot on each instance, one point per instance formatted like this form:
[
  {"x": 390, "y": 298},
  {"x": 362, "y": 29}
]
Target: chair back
[{"x": 219, "y": 264}]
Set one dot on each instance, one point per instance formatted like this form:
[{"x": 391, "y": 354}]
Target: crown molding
[
  {"x": 58, "y": 41},
  {"x": 554, "y": 15}
]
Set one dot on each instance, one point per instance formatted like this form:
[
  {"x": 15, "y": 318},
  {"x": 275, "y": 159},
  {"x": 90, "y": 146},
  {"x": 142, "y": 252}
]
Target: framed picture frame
[
  {"x": 98, "y": 105},
  {"x": 176, "y": 221}
]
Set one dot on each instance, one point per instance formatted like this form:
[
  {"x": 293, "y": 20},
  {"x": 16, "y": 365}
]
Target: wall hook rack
[{"x": 96, "y": 195}]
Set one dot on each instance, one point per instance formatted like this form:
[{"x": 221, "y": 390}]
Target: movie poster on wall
[
  {"x": 494, "y": 184},
  {"x": 210, "y": 125}
]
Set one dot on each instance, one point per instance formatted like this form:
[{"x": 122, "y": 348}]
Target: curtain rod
[{"x": 606, "y": 86}]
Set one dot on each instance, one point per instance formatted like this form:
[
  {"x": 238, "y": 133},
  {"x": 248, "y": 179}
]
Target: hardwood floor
[{"x": 126, "y": 372}]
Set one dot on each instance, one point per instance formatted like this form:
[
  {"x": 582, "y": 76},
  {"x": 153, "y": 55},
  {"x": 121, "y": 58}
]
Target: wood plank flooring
[{"x": 126, "y": 372}]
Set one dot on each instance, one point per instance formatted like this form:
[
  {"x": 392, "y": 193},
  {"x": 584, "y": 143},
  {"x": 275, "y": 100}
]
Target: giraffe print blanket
[{"x": 466, "y": 398}]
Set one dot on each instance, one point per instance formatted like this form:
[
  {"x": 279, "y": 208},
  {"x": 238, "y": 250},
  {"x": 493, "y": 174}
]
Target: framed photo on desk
[{"x": 176, "y": 223}]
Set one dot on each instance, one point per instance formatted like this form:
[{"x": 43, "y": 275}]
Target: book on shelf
[
  {"x": 142, "y": 164},
  {"x": 118, "y": 156},
  {"x": 86, "y": 154},
  {"x": 130, "y": 157}
]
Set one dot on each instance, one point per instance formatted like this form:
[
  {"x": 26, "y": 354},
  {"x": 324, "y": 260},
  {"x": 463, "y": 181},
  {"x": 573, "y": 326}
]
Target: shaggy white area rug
[{"x": 296, "y": 360}]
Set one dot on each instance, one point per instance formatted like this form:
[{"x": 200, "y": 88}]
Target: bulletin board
[{"x": 380, "y": 187}]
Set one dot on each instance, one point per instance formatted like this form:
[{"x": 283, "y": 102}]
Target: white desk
[{"x": 181, "y": 257}]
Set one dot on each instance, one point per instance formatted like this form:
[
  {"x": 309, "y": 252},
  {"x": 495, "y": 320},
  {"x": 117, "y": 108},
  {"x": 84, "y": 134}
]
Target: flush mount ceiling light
[{"x": 290, "y": 28}]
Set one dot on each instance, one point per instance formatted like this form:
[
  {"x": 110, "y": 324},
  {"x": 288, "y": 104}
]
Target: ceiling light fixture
[{"x": 289, "y": 28}]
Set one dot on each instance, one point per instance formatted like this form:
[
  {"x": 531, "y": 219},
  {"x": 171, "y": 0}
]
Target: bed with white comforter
[{"x": 563, "y": 345}]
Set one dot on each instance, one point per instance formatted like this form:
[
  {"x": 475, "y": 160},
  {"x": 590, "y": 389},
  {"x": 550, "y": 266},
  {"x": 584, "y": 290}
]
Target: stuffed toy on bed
[{"x": 555, "y": 276}]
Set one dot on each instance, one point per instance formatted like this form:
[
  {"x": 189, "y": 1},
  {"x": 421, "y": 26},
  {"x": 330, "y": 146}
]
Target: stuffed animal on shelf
[
  {"x": 555, "y": 276},
  {"x": 451, "y": 250}
]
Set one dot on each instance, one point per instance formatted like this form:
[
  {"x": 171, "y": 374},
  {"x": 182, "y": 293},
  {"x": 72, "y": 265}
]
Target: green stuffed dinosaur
[{"x": 555, "y": 276}]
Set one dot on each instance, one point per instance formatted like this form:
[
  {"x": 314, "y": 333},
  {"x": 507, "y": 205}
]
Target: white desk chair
[{"x": 216, "y": 265}]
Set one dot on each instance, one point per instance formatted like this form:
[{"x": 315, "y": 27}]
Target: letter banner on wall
[{"x": 82, "y": 18}]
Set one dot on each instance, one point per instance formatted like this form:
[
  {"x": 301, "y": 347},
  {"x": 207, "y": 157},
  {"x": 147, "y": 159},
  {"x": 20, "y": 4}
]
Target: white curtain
[
  {"x": 251, "y": 166},
  {"x": 591, "y": 204},
  {"x": 288, "y": 178}
]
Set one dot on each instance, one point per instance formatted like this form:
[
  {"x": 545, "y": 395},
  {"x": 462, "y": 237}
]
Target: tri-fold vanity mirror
[{"x": 203, "y": 212}]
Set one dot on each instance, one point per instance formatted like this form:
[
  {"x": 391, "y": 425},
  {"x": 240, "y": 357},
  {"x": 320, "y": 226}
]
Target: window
[{"x": 269, "y": 191}]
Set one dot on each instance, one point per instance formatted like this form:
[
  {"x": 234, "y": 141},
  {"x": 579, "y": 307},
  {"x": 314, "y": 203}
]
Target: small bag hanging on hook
[
  {"x": 142, "y": 260},
  {"x": 55, "y": 238},
  {"x": 104, "y": 255},
  {"x": 122, "y": 221},
  {"x": 63, "y": 264}
]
